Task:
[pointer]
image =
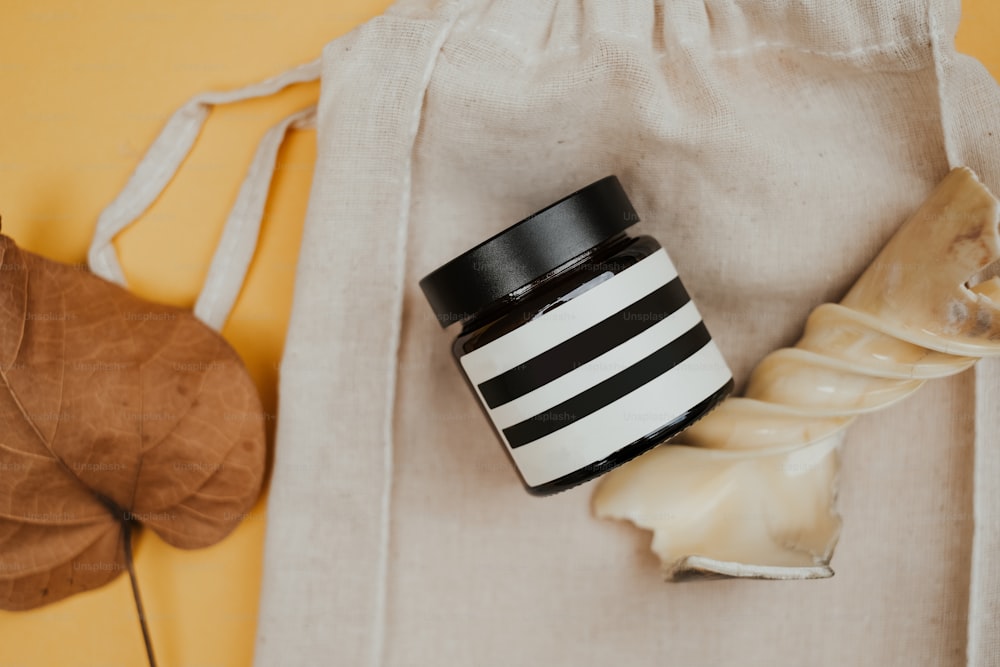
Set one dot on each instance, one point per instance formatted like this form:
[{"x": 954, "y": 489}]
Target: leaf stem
[{"x": 127, "y": 533}]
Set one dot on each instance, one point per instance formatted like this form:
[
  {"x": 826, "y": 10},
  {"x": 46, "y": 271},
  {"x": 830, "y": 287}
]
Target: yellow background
[{"x": 86, "y": 85}]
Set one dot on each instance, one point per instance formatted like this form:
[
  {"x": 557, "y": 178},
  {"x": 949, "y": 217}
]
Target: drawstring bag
[{"x": 773, "y": 147}]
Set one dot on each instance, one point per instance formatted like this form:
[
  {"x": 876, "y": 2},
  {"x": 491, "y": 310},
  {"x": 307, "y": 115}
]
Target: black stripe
[
  {"x": 610, "y": 390},
  {"x": 586, "y": 346}
]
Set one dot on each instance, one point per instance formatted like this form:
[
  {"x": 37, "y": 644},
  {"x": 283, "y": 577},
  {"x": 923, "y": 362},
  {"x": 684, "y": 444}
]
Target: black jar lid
[{"x": 528, "y": 249}]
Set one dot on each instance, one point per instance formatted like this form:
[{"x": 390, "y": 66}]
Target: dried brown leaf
[{"x": 112, "y": 409}]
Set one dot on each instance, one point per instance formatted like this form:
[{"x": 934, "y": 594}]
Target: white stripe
[
  {"x": 600, "y": 434},
  {"x": 570, "y": 318},
  {"x": 586, "y": 376}
]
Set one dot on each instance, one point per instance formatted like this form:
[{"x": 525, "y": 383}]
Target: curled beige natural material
[{"x": 750, "y": 490}]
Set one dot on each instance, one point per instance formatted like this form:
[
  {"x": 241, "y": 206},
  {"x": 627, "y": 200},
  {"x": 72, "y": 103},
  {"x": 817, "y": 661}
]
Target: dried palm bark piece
[{"x": 750, "y": 490}]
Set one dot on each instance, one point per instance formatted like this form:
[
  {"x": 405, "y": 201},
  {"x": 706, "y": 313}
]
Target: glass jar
[{"x": 580, "y": 342}]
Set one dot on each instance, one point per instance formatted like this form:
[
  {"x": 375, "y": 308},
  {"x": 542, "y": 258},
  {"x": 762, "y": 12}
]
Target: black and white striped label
[{"x": 577, "y": 383}]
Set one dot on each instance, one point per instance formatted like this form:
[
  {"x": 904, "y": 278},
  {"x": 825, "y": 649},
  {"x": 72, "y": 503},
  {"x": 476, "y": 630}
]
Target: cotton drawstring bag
[{"x": 773, "y": 147}]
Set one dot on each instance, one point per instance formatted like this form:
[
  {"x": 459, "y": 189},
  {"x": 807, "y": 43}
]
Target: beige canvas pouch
[{"x": 773, "y": 146}]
